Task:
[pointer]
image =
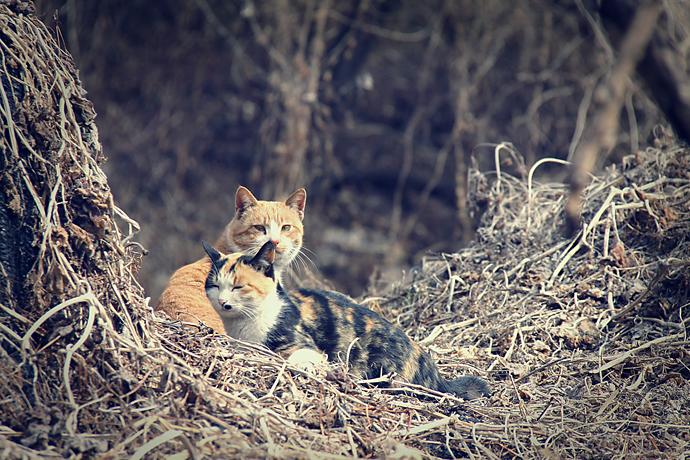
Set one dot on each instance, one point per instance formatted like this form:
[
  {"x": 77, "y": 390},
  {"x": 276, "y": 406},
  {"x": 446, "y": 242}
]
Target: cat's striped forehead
[
  {"x": 241, "y": 280},
  {"x": 237, "y": 269},
  {"x": 271, "y": 211},
  {"x": 228, "y": 264}
]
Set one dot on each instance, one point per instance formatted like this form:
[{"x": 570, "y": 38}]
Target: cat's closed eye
[
  {"x": 286, "y": 228},
  {"x": 260, "y": 228},
  {"x": 237, "y": 287}
]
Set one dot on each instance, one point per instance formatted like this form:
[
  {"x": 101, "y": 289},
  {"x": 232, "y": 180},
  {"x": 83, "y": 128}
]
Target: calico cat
[
  {"x": 303, "y": 325},
  {"x": 255, "y": 222}
]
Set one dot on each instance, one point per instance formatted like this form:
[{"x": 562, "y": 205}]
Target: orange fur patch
[{"x": 184, "y": 297}]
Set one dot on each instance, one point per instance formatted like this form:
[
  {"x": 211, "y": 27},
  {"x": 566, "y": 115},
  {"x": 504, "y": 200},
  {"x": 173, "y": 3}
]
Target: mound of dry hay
[{"x": 584, "y": 342}]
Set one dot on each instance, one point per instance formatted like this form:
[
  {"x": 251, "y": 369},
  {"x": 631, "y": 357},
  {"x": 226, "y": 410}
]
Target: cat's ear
[
  {"x": 263, "y": 260},
  {"x": 298, "y": 201},
  {"x": 212, "y": 253},
  {"x": 243, "y": 200}
]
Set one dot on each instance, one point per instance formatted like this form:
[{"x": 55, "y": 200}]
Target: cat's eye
[
  {"x": 260, "y": 228},
  {"x": 237, "y": 287},
  {"x": 286, "y": 228}
]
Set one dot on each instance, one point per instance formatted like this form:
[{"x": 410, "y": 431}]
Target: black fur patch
[{"x": 328, "y": 322}]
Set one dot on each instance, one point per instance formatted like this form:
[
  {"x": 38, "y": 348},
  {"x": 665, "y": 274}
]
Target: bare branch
[{"x": 609, "y": 98}]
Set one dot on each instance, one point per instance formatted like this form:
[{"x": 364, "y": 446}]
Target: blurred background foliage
[{"x": 377, "y": 107}]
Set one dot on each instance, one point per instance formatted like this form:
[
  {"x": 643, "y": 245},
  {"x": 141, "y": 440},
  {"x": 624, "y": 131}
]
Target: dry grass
[{"x": 583, "y": 341}]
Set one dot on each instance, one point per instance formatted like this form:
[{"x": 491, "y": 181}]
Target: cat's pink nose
[{"x": 275, "y": 243}]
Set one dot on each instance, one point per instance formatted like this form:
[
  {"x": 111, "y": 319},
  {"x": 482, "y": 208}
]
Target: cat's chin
[
  {"x": 281, "y": 263},
  {"x": 232, "y": 314},
  {"x": 286, "y": 257}
]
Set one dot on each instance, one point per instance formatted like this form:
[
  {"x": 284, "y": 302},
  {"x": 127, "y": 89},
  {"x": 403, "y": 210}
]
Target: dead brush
[{"x": 583, "y": 341}]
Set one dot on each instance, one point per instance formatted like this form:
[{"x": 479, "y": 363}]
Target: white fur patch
[
  {"x": 285, "y": 251},
  {"x": 307, "y": 359},
  {"x": 248, "y": 319}
]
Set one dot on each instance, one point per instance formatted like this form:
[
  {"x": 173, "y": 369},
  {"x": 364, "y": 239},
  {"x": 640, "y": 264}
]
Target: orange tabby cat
[{"x": 255, "y": 223}]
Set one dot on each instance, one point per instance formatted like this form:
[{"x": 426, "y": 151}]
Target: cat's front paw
[{"x": 309, "y": 360}]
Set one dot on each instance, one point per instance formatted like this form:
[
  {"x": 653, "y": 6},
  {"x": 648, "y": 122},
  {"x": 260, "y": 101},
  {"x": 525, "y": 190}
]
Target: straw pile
[{"x": 583, "y": 342}]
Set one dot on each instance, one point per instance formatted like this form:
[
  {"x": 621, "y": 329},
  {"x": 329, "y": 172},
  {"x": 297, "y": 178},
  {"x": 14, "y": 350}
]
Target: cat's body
[
  {"x": 255, "y": 222},
  {"x": 304, "y": 325}
]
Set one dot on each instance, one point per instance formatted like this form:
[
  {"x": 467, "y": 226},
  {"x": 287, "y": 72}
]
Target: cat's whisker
[
  {"x": 294, "y": 269},
  {"x": 302, "y": 256},
  {"x": 249, "y": 313},
  {"x": 254, "y": 248},
  {"x": 304, "y": 248},
  {"x": 300, "y": 262}
]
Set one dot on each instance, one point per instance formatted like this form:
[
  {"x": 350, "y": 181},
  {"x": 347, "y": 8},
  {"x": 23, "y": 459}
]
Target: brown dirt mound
[{"x": 584, "y": 342}]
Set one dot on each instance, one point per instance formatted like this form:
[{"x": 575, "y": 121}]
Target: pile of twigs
[
  {"x": 585, "y": 340},
  {"x": 582, "y": 341}
]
